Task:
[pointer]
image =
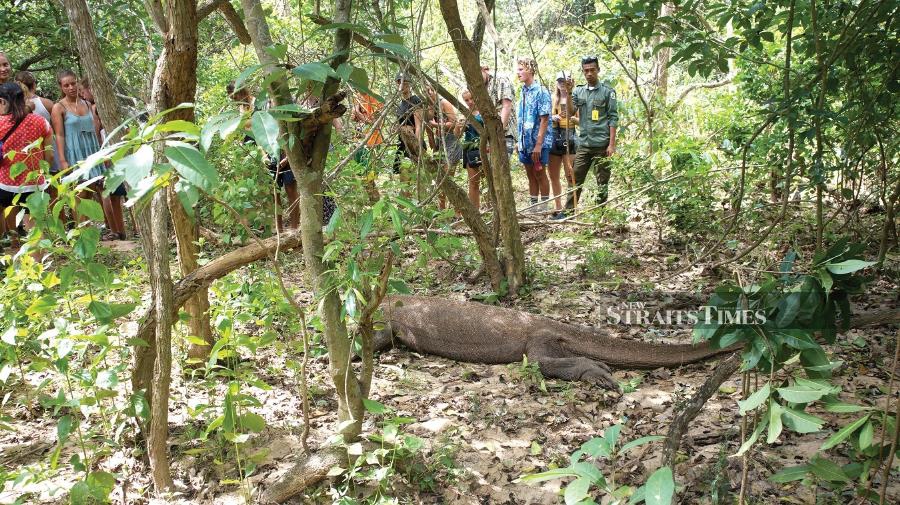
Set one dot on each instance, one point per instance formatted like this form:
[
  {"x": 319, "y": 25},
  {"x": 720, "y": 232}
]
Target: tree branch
[
  {"x": 207, "y": 8},
  {"x": 157, "y": 14},
  {"x": 237, "y": 24},
  {"x": 694, "y": 87}
]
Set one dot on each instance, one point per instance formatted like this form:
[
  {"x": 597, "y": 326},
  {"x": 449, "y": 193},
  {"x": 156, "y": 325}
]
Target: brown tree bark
[
  {"x": 469, "y": 60},
  {"x": 306, "y": 156},
  {"x": 174, "y": 82},
  {"x": 90, "y": 57},
  {"x": 459, "y": 200}
]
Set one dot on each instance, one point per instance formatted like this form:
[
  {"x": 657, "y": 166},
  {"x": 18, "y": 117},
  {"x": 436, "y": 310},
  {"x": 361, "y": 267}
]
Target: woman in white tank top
[{"x": 42, "y": 107}]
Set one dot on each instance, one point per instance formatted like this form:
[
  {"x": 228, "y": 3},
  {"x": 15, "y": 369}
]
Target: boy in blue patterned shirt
[{"x": 534, "y": 140}]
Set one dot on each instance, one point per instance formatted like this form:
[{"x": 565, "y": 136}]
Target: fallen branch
[
  {"x": 191, "y": 284},
  {"x": 306, "y": 472}
]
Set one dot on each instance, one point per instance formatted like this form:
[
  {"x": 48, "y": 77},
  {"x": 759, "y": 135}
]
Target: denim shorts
[{"x": 525, "y": 156}]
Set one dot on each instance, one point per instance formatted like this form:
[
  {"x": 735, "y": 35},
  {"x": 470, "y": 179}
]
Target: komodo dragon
[{"x": 477, "y": 333}]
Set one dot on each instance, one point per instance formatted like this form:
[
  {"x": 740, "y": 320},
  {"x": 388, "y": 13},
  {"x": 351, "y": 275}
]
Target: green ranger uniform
[{"x": 597, "y": 113}]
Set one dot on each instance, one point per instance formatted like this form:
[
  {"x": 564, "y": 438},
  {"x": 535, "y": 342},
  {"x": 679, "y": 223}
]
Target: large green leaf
[
  {"x": 790, "y": 474},
  {"x": 755, "y": 400},
  {"x": 265, "y": 131},
  {"x": 577, "y": 491},
  {"x": 796, "y": 393},
  {"x": 848, "y": 267},
  {"x": 800, "y": 421},
  {"x": 844, "y": 433},
  {"x": 314, "y": 71},
  {"x": 775, "y": 425},
  {"x": 827, "y": 470},
  {"x": 192, "y": 166},
  {"x": 660, "y": 487}
]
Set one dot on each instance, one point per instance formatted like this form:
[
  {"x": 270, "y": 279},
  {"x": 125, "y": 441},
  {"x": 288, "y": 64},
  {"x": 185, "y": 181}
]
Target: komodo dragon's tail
[{"x": 622, "y": 353}]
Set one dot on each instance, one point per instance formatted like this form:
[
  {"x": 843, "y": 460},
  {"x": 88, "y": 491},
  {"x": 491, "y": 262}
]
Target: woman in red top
[{"x": 26, "y": 143}]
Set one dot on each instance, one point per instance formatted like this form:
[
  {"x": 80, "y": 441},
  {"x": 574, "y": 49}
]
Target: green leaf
[
  {"x": 790, "y": 474},
  {"x": 866, "y": 434},
  {"x": 800, "y": 421},
  {"x": 640, "y": 441},
  {"x": 314, "y": 71},
  {"x": 577, "y": 491},
  {"x": 556, "y": 473},
  {"x": 398, "y": 49},
  {"x": 753, "y": 437},
  {"x": 827, "y": 470},
  {"x": 265, "y": 131},
  {"x": 89, "y": 208},
  {"x": 41, "y": 306},
  {"x": 844, "y": 433},
  {"x": 374, "y": 407},
  {"x": 366, "y": 227},
  {"x": 755, "y": 400},
  {"x": 775, "y": 426},
  {"x": 192, "y": 166},
  {"x": 253, "y": 422},
  {"x": 825, "y": 280},
  {"x": 180, "y": 125},
  {"x": 848, "y": 267},
  {"x": 63, "y": 428},
  {"x": 801, "y": 394},
  {"x": 660, "y": 487},
  {"x": 188, "y": 195},
  {"x": 839, "y": 407}
]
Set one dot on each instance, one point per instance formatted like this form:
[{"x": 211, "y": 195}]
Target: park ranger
[{"x": 596, "y": 104}]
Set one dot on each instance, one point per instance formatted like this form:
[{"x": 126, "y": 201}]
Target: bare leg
[
  {"x": 543, "y": 182},
  {"x": 532, "y": 181},
  {"x": 116, "y": 215},
  {"x": 475, "y": 186},
  {"x": 553, "y": 172},
  {"x": 293, "y": 203}
]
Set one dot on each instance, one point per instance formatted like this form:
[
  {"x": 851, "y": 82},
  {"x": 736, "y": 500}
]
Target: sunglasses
[{"x": 587, "y": 60}]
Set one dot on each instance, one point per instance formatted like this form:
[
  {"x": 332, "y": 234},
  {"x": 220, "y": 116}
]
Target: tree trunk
[
  {"x": 306, "y": 156},
  {"x": 459, "y": 200},
  {"x": 92, "y": 61},
  {"x": 662, "y": 62},
  {"x": 469, "y": 60},
  {"x": 187, "y": 233},
  {"x": 175, "y": 82}
]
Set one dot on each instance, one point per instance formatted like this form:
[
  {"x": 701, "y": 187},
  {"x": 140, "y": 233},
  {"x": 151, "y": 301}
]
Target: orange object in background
[{"x": 367, "y": 109}]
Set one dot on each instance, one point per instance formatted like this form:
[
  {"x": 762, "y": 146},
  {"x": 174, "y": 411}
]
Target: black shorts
[
  {"x": 7, "y": 197},
  {"x": 119, "y": 191},
  {"x": 563, "y": 141},
  {"x": 282, "y": 175}
]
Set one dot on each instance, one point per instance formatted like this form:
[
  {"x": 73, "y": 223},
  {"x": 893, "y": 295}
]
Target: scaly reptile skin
[{"x": 478, "y": 333}]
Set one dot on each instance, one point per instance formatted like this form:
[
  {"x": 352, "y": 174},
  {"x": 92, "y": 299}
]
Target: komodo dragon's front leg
[{"x": 556, "y": 361}]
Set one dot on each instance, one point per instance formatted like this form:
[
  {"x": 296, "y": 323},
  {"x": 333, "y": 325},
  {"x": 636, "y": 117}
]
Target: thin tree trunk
[
  {"x": 459, "y": 200},
  {"x": 175, "y": 82},
  {"x": 92, "y": 61},
  {"x": 187, "y": 233},
  {"x": 306, "y": 157},
  {"x": 469, "y": 60}
]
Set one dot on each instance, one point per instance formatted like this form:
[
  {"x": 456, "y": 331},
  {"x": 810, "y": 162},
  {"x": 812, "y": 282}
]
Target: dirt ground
[{"x": 484, "y": 426}]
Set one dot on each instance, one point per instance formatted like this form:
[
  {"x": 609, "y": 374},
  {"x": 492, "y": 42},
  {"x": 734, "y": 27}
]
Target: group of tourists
[
  {"x": 40, "y": 138},
  {"x": 566, "y": 132}
]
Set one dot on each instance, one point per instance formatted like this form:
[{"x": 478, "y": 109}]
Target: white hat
[{"x": 563, "y": 76}]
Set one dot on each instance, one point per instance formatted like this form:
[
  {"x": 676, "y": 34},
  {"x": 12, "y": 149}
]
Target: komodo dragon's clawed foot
[{"x": 555, "y": 361}]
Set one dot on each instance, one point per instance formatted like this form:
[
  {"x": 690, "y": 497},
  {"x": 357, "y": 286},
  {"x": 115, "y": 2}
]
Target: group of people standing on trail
[
  {"x": 40, "y": 138},
  {"x": 568, "y": 131}
]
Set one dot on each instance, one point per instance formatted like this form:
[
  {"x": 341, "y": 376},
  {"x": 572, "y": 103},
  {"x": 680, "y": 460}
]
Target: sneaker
[{"x": 559, "y": 216}]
